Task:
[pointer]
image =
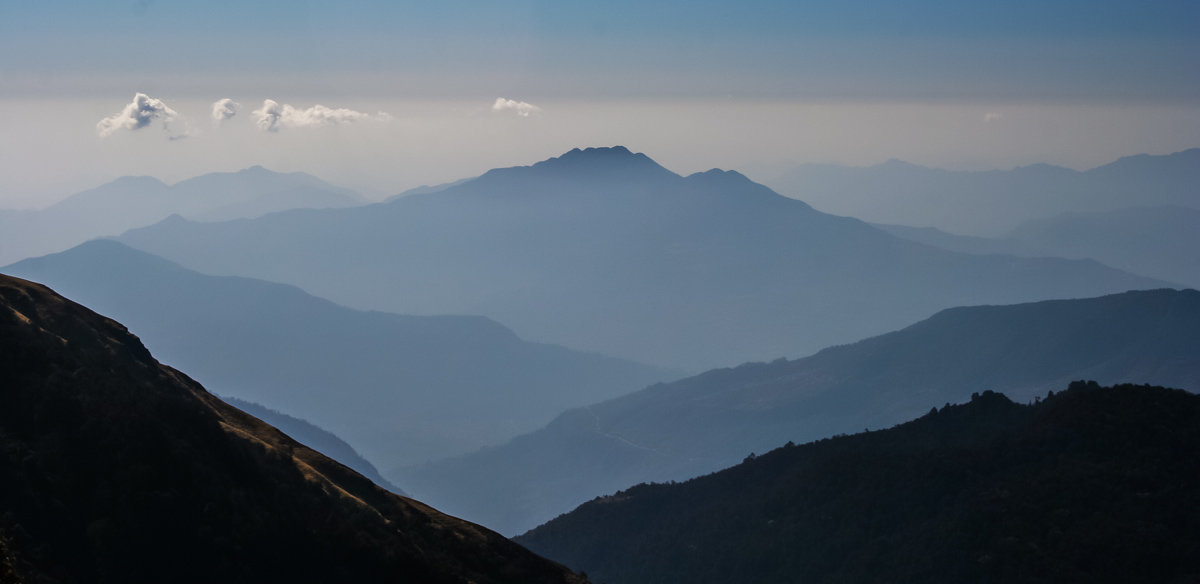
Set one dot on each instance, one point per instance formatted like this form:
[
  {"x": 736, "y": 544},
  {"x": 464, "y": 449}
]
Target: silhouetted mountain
[
  {"x": 401, "y": 389},
  {"x": 118, "y": 469},
  {"x": 1159, "y": 242},
  {"x": 136, "y": 201},
  {"x": 316, "y": 438},
  {"x": 991, "y": 203},
  {"x": 605, "y": 250},
  {"x": 683, "y": 429},
  {"x": 1090, "y": 485}
]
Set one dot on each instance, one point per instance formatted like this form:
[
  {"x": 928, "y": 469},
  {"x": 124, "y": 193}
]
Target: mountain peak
[
  {"x": 134, "y": 181},
  {"x": 717, "y": 173},
  {"x": 613, "y": 157},
  {"x": 593, "y": 164}
]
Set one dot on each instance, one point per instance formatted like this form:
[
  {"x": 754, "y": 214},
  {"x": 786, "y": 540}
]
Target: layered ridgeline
[
  {"x": 136, "y": 201},
  {"x": 1090, "y": 485},
  {"x": 119, "y": 469},
  {"x": 708, "y": 422},
  {"x": 400, "y": 389},
  {"x": 605, "y": 250},
  {"x": 991, "y": 203},
  {"x": 1159, "y": 242}
]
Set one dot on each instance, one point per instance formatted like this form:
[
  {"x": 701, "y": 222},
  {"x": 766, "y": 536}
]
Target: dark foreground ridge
[
  {"x": 1094, "y": 484},
  {"x": 116, "y": 468}
]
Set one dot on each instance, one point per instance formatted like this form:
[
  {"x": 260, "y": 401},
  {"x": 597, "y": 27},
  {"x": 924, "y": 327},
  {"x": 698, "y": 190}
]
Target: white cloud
[
  {"x": 992, "y": 116},
  {"x": 520, "y": 108},
  {"x": 274, "y": 115},
  {"x": 223, "y": 109},
  {"x": 138, "y": 114}
]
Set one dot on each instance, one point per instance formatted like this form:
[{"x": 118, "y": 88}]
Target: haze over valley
[{"x": 624, "y": 292}]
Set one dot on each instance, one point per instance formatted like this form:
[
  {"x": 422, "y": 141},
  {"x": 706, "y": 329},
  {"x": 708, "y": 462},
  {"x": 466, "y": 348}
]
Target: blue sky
[
  {"x": 1055, "y": 49},
  {"x": 752, "y": 85}
]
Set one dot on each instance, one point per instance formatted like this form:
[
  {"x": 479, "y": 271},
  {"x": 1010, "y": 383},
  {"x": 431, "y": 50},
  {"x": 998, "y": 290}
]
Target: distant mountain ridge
[
  {"x": 401, "y": 389},
  {"x": 697, "y": 425},
  {"x": 1159, "y": 242},
  {"x": 1090, "y": 484},
  {"x": 991, "y": 203},
  {"x": 119, "y": 469},
  {"x": 137, "y": 201},
  {"x": 604, "y": 250}
]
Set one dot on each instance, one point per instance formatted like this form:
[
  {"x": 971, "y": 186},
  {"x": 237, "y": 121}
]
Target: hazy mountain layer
[
  {"x": 992, "y": 203},
  {"x": 136, "y": 201},
  {"x": 400, "y": 389},
  {"x": 119, "y": 469},
  {"x": 1090, "y": 485},
  {"x": 605, "y": 250},
  {"x": 700, "y": 424},
  {"x": 1159, "y": 242}
]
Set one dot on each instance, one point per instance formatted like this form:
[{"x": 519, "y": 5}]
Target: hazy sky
[{"x": 410, "y": 92}]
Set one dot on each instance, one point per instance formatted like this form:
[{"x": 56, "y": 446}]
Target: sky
[{"x": 382, "y": 96}]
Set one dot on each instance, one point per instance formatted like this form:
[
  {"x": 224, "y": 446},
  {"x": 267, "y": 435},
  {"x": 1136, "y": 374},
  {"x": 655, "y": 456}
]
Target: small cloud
[
  {"x": 223, "y": 109},
  {"x": 520, "y": 108},
  {"x": 138, "y": 114},
  {"x": 992, "y": 116},
  {"x": 274, "y": 115}
]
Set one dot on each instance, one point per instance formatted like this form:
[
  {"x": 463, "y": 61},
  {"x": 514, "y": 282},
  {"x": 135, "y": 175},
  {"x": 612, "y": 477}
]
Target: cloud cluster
[
  {"x": 274, "y": 115},
  {"x": 145, "y": 110},
  {"x": 520, "y": 108},
  {"x": 223, "y": 109},
  {"x": 138, "y": 114}
]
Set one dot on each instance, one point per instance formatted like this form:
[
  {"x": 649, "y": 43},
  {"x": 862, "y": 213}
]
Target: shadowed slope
[
  {"x": 119, "y": 469},
  {"x": 1090, "y": 485},
  {"x": 316, "y": 438}
]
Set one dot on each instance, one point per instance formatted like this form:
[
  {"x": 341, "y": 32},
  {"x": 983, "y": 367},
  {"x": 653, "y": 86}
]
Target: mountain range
[
  {"x": 992, "y": 203},
  {"x": 604, "y": 250},
  {"x": 136, "y": 201},
  {"x": 701, "y": 424},
  {"x": 1092, "y": 484},
  {"x": 119, "y": 469},
  {"x": 400, "y": 389}
]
